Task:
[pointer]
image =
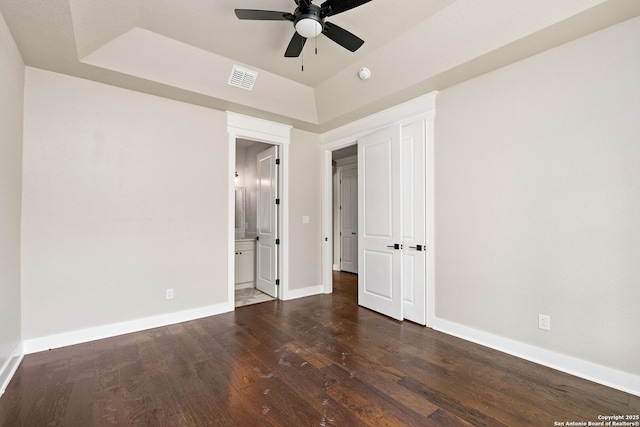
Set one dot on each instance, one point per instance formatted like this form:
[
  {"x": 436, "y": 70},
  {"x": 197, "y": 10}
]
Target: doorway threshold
[{"x": 249, "y": 296}]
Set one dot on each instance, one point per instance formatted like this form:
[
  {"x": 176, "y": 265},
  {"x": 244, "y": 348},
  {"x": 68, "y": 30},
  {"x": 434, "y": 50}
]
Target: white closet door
[
  {"x": 349, "y": 220},
  {"x": 413, "y": 222},
  {"x": 379, "y": 260},
  {"x": 266, "y": 248}
]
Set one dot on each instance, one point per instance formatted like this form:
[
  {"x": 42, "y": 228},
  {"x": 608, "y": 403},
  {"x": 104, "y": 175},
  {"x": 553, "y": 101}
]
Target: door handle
[
  {"x": 395, "y": 246},
  {"x": 353, "y": 233},
  {"x": 418, "y": 248}
]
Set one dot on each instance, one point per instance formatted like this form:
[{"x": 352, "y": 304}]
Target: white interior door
[
  {"x": 267, "y": 220},
  {"x": 413, "y": 222},
  {"x": 379, "y": 269},
  {"x": 349, "y": 220}
]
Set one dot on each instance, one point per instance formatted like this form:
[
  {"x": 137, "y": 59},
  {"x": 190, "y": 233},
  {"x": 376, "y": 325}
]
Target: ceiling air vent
[{"x": 242, "y": 78}]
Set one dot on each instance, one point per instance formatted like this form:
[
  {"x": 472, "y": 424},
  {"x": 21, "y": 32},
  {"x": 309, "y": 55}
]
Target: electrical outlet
[
  {"x": 169, "y": 293},
  {"x": 544, "y": 322}
]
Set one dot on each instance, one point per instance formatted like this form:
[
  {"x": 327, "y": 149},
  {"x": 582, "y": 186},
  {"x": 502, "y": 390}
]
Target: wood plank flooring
[{"x": 316, "y": 361}]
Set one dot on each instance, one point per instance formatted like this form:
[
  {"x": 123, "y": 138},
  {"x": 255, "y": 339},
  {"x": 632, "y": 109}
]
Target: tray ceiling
[{"x": 186, "y": 49}]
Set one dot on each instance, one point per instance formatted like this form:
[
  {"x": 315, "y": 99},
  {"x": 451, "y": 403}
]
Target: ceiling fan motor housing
[{"x": 309, "y": 22}]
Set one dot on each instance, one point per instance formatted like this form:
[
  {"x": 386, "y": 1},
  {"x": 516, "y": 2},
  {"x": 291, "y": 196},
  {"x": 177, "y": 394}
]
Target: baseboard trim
[
  {"x": 64, "y": 339},
  {"x": 609, "y": 377},
  {"x": 304, "y": 292},
  {"x": 10, "y": 366}
]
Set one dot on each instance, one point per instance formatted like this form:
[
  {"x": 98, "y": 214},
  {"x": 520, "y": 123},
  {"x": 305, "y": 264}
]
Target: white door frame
[
  {"x": 246, "y": 127},
  {"x": 422, "y": 107}
]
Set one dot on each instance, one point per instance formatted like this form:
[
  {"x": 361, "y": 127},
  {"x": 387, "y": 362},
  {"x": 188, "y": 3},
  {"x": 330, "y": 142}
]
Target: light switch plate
[{"x": 544, "y": 322}]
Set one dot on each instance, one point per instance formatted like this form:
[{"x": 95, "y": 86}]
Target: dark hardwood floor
[{"x": 316, "y": 361}]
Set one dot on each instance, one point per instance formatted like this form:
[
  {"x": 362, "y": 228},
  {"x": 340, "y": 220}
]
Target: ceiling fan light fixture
[{"x": 309, "y": 28}]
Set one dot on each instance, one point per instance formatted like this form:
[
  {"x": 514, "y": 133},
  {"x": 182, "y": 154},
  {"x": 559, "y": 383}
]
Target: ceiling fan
[{"x": 309, "y": 22}]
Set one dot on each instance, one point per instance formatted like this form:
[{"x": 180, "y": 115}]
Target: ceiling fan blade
[
  {"x": 333, "y": 7},
  {"x": 263, "y": 15},
  {"x": 295, "y": 46},
  {"x": 343, "y": 37}
]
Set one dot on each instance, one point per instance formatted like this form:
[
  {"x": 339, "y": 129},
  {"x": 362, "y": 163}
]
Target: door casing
[{"x": 244, "y": 127}]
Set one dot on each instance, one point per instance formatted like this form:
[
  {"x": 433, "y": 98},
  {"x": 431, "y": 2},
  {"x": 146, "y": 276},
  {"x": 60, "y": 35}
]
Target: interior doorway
[
  {"x": 256, "y": 224},
  {"x": 421, "y": 113},
  {"x": 345, "y": 209},
  {"x": 249, "y": 139}
]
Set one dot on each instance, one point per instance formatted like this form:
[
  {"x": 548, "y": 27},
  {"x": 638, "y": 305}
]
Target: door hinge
[
  {"x": 277, "y": 241},
  {"x": 277, "y": 201},
  {"x": 277, "y": 282},
  {"x": 277, "y": 161}
]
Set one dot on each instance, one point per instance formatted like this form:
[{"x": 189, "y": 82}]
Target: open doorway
[
  {"x": 256, "y": 225},
  {"x": 395, "y": 214},
  {"x": 345, "y": 209},
  {"x": 270, "y": 203}
]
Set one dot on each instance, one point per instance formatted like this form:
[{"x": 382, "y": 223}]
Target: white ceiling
[{"x": 186, "y": 49}]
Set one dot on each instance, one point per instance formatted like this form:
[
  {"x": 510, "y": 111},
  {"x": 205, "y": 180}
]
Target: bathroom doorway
[
  {"x": 270, "y": 134},
  {"x": 256, "y": 222}
]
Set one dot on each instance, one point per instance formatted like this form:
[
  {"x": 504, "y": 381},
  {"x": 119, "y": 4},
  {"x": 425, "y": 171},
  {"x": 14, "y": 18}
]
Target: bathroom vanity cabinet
[{"x": 245, "y": 263}]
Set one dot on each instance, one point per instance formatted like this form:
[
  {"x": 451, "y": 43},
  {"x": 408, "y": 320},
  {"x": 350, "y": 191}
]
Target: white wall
[
  {"x": 538, "y": 200},
  {"x": 305, "y": 194},
  {"x": 122, "y": 196},
  {"x": 11, "y": 117}
]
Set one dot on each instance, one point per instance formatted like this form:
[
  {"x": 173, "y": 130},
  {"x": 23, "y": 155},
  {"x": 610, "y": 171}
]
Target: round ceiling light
[{"x": 308, "y": 28}]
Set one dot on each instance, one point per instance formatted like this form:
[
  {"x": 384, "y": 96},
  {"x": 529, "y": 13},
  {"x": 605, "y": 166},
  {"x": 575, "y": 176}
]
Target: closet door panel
[
  {"x": 380, "y": 259},
  {"x": 413, "y": 222}
]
